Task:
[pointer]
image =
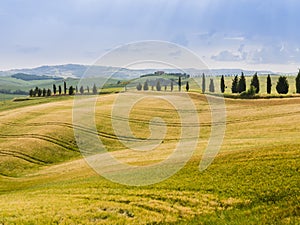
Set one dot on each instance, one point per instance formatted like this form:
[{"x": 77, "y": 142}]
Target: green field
[
  {"x": 5, "y": 97},
  {"x": 254, "y": 179},
  {"x": 13, "y": 84}
]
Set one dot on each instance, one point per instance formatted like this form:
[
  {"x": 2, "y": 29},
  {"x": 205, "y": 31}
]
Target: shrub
[{"x": 250, "y": 93}]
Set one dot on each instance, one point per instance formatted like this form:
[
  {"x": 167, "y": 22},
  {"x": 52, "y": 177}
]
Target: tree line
[
  {"x": 39, "y": 92},
  {"x": 238, "y": 85},
  {"x": 159, "y": 85}
]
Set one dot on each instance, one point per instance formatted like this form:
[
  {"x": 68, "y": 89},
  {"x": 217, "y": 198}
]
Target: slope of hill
[
  {"x": 30, "y": 77},
  {"x": 77, "y": 71},
  {"x": 253, "y": 180}
]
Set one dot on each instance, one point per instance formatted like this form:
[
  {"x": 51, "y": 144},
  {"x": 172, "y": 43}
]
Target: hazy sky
[{"x": 247, "y": 34}]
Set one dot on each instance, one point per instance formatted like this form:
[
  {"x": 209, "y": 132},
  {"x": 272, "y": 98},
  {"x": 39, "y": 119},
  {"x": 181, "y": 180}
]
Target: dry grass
[{"x": 253, "y": 180}]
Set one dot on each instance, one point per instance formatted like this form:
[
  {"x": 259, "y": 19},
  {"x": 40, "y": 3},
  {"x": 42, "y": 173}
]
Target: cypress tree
[
  {"x": 36, "y": 91},
  {"x": 139, "y": 87},
  {"x": 172, "y": 85},
  {"x": 158, "y": 87},
  {"x": 88, "y": 89},
  {"x": 203, "y": 83},
  {"x": 234, "y": 86},
  {"x": 255, "y": 82},
  {"x": 282, "y": 86},
  {"x": 187, "y": 86},
  {"x": 39, "y": 92},
  {"x": 48, "y": 92},
  {"x": 298, "y": 82},
  {"x": 269, "y": 84},
  {"x": 44, "y": 92},
  {"x": 59, "y": 90},
  {"x": 179, "y": 84},
  {"x": 71, "y": 90},
  {"x": 242, "y": 84},
  {"x": 222, "y": 84},
  {"x": 211, "y": 86},
  {"x": 54, "y": 89},
  {"x": 65, "y": 87},
  {"x": 81, "y": 90},
  {"x": 146, "y": 86},
  {"x": 94, "y": 89}
]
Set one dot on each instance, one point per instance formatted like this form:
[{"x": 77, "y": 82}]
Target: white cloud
[
  {"x": 235, "y": 38},
  {"x": 227, "y": 55}
]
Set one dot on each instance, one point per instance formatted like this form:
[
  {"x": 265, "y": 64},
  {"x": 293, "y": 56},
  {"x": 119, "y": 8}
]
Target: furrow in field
[
  {"x": 88, "y": 130},
  {"x": 22, "y": 156},
  {"x": 47, "y": 138}
]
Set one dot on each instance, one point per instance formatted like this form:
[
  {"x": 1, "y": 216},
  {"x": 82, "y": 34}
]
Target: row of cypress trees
[
  {"x": 71, "y": 90},
  {"x": 239, "y": 84},
  {"x": 158, "y": 87}
]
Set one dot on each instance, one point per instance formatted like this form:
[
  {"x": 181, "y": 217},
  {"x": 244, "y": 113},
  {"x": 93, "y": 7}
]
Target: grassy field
[
  {"x": 253, "y": 180},
  {"x": 6, "y": 97},
  {"x": 13, "y": 84}
]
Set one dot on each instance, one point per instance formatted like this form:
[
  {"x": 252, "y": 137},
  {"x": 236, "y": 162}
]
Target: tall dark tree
[
  {"x": 81, "y": 90},
  {"x": 255, "y": 83},
  {"x": 76, "y": 89},
  {"x": 139, "y": 87},
  {"x": 59, "y": 90},
  {"x": 187, "y": 86},
  {"x": 203, "y": 83},
  {"x": 222, "y": 84},
  {"x": 165, "y": 87},
  {"x": 48, "y": 92},
  {"x": 242, "y": 84},
  {"x": 146, "y": 86},
  {"x": 158, "y": 87},
  {"x": 234, "y": 86},
  {"x": 172, "y": 85},
  {"x": 71, "y": 90},
  {"x": 298, "y": 82},
  {"x": 54, "y": 89},
  {"x": 65, "y": 87},
  {"x": 31, "y": 93},
  {"x": 211, "y": 85},
  {"x": 179, "y": 84},
  {"x": 282, "y": 86},
  {"x": 94, "y": 89},
  {"x": 39, "y": 93},
  {"x": 44, "y": 92},
  {"x": 36, "y": 91},
  {"x": 269, "y": 84},
  {"x": 88, "y": 89}
]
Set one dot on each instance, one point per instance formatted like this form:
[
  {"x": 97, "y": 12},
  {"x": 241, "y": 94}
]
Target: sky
[{"x": 245, "y": 34}]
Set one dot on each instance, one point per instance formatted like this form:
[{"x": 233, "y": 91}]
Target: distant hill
[
  {"x": 30, "y": 77},
  {"x": 77, "y": 71}
]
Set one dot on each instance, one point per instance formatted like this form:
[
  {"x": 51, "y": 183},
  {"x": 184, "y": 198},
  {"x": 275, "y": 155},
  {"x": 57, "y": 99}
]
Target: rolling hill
[{"x": 253, "y": 180}]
